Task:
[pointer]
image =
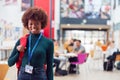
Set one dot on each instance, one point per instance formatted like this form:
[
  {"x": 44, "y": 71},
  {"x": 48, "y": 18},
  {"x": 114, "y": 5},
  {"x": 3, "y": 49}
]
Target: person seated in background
[
  {"x": 56, "y": 64},
  {"x": 57, "y": 54},
  {"x": 70, "y": 45},
  {"x": 98, "y": 46},
  {"x": 111, "y": 51},
  {"x": 79, "y": 49},
  {"x": 98, "y": 43},
  {"x": 110, "y": 56}
]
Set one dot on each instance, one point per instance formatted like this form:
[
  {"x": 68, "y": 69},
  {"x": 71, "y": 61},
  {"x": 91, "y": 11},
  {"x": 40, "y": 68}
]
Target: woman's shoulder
[
  {"x": 17, "y": 42},
  {"x": 47, "y": 40}
]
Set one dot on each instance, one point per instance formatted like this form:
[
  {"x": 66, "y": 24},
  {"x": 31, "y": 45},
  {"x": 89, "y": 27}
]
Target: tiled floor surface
[{"x": 86, "y": 73}]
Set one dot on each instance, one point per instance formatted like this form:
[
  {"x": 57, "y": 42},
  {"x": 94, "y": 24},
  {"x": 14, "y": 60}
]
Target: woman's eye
[{"x": 30, "y": 24}]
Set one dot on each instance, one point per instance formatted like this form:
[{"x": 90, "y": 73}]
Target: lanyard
[{"x": 30, "y": 52}]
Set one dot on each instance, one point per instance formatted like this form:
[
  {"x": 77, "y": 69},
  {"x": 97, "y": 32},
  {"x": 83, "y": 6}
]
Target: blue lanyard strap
[{"x": 30, "y": 52}]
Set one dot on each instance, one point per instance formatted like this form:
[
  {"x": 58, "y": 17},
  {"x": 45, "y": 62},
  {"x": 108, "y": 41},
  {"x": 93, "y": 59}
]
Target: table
[{"x": 69, "y": 55}]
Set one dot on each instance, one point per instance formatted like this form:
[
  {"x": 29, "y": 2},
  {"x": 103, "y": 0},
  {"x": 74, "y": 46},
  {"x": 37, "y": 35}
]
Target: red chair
[{"x": 82, "y": 57}]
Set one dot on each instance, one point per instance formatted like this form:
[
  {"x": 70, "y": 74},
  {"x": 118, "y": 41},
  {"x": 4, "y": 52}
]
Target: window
[{"x": 118, "y": 2}]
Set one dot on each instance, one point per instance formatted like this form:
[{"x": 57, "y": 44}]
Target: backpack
[
  {"x": 23, "y": 42},
  {"x": 62, "y": 72},
  {"x": 108, "y": 65}
]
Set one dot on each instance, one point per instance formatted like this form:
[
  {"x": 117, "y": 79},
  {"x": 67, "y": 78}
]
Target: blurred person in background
[
  {"x": 69, "y": 46},
  {"x": 111, "y": 51},
  {"x": 78, "y": 49},
  {"x": 58, "y": 52}
]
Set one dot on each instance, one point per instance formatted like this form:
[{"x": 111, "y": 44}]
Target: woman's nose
[{"x": 34, "y": 25}]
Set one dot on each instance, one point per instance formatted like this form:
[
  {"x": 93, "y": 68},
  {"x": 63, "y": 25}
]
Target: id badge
[{"x": 29, "y": 69}]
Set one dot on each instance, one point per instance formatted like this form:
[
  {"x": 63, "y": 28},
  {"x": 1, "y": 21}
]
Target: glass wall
[{"x": 88, "y": 37}]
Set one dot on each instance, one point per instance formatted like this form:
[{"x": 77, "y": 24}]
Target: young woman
[{"x": 39, "y": 50}]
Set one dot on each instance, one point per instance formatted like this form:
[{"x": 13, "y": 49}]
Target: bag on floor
[
  {"x": 108, "y": 66},
  {"x": 62, "y": 72}
]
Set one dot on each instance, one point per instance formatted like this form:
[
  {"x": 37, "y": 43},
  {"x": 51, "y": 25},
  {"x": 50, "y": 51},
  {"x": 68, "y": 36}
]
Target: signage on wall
[
  {"x": 8, "y": 31},
  {"x": 10, "y": 2},
  {"x": 89, "y": 9},
  {"x": 25, "y": 4}
]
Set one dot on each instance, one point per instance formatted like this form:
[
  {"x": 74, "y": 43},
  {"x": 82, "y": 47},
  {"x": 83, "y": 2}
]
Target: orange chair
[
  {"x": 104, "y": 47},
  {"x": 117, "y": 57},
  {"x": 3, "y": 71}
]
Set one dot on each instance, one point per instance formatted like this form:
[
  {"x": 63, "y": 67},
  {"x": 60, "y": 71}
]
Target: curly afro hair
[{"x": 36, "y": 14}]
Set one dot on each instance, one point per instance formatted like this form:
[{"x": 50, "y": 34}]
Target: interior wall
[
  {"x": 117, "y": 38},
  {"x": 45, "y": 5}
]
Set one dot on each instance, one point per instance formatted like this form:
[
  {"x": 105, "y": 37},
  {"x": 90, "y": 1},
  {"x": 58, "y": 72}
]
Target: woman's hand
[{"x": 21, "y": 48}]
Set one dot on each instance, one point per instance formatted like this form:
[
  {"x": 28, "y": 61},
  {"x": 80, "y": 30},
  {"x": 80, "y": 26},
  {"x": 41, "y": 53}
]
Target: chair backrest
[
  {"x": 82, "y": 57},
  {"x": 3, "y": 71},
  {"x": 92, "y": 53},
  {"x": 117, "y": 57}
]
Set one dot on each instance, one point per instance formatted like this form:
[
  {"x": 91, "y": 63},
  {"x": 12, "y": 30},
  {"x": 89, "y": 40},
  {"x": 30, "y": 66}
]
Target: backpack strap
[{"x": 23, "y": 42}]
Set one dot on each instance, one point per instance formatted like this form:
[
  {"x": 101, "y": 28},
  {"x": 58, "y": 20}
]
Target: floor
[{"x": 87, "y": 72}]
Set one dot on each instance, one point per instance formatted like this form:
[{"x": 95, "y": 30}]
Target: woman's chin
[{"x": 35, "y": 32}]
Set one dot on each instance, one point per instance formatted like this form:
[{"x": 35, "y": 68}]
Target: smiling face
[{"x": 34, "y": 26}]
